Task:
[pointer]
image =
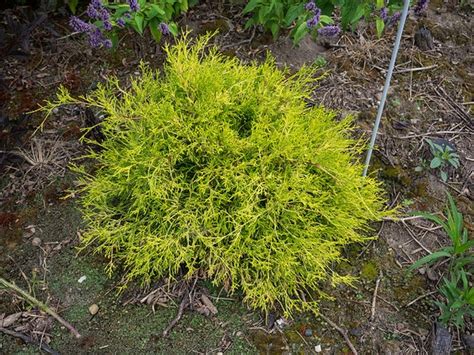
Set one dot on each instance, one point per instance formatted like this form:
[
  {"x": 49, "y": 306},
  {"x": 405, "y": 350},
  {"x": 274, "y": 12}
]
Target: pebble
[
  {"x": 308, "y": 332},
  {"x": 93, "y": 309},
  {"x": 318, "y": 348},
  {"x": 36, "y": 242},
  {"x": 82, "y": 279}
]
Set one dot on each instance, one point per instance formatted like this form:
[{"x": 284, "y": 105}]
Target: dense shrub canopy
[{"x": 218, "y": 166}]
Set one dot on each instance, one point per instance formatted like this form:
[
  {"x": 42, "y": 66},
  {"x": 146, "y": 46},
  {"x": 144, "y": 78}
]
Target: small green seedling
[
  {"x": 457, "y": 233},
  {"x": 459, "y": 297},
  {"x": 457, "y": 291},
  {"x": 444, "y": 155}
]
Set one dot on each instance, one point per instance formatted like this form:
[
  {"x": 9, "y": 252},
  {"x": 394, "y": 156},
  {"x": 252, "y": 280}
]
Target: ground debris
[{"x": 441, "y": 340}]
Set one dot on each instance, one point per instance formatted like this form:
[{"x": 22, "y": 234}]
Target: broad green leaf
[
  {"x": 72, "y": 4},
  {"x": 250, "y": 6},
  {"x": 155, "y": 32},
  {"x": 275, "y": 29},
  {"x": 300, "y": 32},
  {"x": 184, "y": 6},
  {"x": 293, "y": 12},
  {"x": 380, "y": 25},
  {"x": 139, "y": 19},
  {"x": 351, "y": 13},
  {"x": 435, "y": 163},
  {"x": 326, "y": 20},
  {"x": 444, "y": 175},
  {"x": 173, "y": 28}
]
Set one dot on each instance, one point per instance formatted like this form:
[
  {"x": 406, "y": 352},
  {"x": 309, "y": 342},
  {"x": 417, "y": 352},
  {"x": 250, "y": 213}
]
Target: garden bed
[{"x": 387, "y": 312}]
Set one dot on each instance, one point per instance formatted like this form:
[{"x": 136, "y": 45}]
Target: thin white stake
[{"x": 401, "y": 25}]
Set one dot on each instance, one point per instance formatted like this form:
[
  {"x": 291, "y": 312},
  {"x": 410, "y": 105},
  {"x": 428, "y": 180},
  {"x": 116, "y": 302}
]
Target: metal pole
[{"x": 401, "y": 25}]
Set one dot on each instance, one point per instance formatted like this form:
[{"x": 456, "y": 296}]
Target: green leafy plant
[
  {"x": 458, "y": 293},
  {"x": 443, "y": 156},
  {"x": 459, "y": 299},
  {"x": 302, "y": 19},
  {"x": 458, "y": 235},
  {"x": 221, "y": 168},
  {"x": 106, "y": 18}
]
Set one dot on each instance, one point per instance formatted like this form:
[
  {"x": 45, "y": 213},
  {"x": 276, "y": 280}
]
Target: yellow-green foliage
[{"x": 218, "y": 166}]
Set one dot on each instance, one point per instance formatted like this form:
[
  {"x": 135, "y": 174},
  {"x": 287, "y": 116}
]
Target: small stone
[
  {"x": 239, "y": 333},
  {"x": 36, "y": 242},
  {"x": 82, "y": 279},
  {"x": 308, "y": 332},
  {"x": 424, "y": 39},
  {"x": 318, "y": 348},
  {"x": 432, "y": 275},
  {"x": 93, "y": 309}
]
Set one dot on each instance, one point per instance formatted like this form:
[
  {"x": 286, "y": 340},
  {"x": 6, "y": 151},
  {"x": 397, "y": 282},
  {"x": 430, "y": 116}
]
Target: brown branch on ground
[
  {"x": 343, "y": 332},
  {"x": 184, "y": 303},
  {"x": 28, "y": 340},
  {"x": 40, "y": 305}
]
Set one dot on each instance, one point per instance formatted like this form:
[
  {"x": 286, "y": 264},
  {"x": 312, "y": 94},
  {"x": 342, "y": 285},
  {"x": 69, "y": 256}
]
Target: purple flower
[
  {"x": 127, "y": 15},
  {"x": 384, "y": 14},
  {"x": 392, "y": 21},
  {"x": 329, "y": 31},
  {"x": 104, "y": 14},
  {"x": 310, "y": 6},
  {"x": 121, "y": 23},
  {"x": 107, "y": 25},
  {"x": 78, "y": 25},
  {"x": 107, "y": 43},
  {"x": 96, "y": 4},
  {"x": 134, "y": 6},
  {"x": 97, "y": 39},
  {"x": 163, "y": 27},
  {"x": 312, "y": 22},
  {"x": 421, "y": 7},
  {"x": 92, "y": 12}
]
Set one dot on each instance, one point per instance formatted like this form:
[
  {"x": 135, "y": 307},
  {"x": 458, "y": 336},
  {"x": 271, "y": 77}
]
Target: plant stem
[{"x": 40, "y": 305}]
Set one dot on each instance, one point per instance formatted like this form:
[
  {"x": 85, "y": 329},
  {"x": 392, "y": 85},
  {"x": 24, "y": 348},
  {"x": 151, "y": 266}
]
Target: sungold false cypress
[{"x": 218, "y": 166}]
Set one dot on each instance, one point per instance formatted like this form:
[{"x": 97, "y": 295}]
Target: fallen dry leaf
[
  {"x": 9, "y": 320},
  {"x": 207, "y": 302}
]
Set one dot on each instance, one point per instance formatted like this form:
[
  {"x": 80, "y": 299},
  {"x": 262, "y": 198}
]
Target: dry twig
[
  {"x": 28, "y": 340},
  {"x": 343, "y": 332},
  {"x": 40, "y": 305}
]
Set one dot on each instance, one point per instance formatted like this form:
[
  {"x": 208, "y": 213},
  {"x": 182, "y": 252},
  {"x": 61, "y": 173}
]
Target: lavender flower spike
[
  {"x": 134, "y": 6},
  {"x": 421, "y": 7},
  {"x": 394, "y": 19},
  {"x": 107, "y": 25},
  {"x": 121, "y": 22},
  {"x": 310, "y": 6},
  {"x": 163, "y": 27},
  {"x": 104, "y": 14},
  {"x": 329, "y": 31},
  {"x": 92, "y": 12},
  {"x": 78, "y": 25},
  {"x": 313, "y": 22},
  {"x": 96, "y": 4},
  {"x": 384, "y": 14}
]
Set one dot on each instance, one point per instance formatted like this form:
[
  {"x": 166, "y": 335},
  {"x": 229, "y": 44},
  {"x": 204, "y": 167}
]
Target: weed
[
  {"x": 444, "y": 156},
  {"x": 458, "y": 293}
]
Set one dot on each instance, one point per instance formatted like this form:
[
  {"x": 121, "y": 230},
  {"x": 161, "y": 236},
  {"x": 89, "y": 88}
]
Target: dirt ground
[{"x": 388, "y": 312}]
